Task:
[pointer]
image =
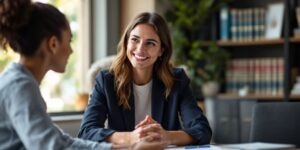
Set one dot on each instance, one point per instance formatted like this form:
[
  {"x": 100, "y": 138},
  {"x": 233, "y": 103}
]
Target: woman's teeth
[{"x": 140, "y": 57}]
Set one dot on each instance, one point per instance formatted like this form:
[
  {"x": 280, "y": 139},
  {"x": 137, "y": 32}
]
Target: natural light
[{"x": 59, "y": 90}]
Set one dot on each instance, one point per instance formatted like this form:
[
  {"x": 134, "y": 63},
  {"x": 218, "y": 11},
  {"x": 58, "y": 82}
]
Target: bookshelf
[
  {"x": 285, "y": 47},
  {"x": 233, "y": 112}
]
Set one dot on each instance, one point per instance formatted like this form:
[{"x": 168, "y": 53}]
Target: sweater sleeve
[{"x": 27, "y": 111}]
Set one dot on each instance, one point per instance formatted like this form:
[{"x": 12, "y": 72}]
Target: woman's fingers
[
  {"x": 151, "y": 128},
  {"x": 144, "y": 145},
  {"x": 142, "y": 123},
  {"x": 148, "y": 120},
  {"x": 149, "y": 143},
  {"x": 152, "y": 137}
]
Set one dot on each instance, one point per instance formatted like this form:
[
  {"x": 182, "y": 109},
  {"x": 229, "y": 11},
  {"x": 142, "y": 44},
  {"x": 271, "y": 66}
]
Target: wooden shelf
[
  {"x": 256, "y": 97},
  {"x": 295, "y": 97},
  {"x": 250, "y": 97},
  {"x": 295, "y": 39},
  {"x": 250, "y": 43}
]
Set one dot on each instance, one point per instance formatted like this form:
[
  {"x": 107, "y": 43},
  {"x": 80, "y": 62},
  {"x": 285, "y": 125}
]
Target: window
[
  {"x": 58, "y": 89},
  {"x": 61, "y": 91}
]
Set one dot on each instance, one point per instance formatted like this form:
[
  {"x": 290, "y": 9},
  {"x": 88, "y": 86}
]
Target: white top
[{"x": 142, "y": 101}]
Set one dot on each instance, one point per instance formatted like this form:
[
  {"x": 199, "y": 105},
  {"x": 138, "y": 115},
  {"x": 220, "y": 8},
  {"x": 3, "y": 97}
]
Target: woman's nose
[{"x": 141, "y": 47}]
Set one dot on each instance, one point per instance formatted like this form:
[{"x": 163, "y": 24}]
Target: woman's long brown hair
[{"x": 122, "y": 68}]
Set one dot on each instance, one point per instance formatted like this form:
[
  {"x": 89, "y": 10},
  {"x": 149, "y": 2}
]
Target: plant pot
[
  {"x": 81, "y": 101},
  {"x": 210, "y": 89}
]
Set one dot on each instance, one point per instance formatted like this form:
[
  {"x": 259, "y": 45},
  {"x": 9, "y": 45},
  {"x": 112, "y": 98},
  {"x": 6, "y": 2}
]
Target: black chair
[{"x": 276, "y": 122}]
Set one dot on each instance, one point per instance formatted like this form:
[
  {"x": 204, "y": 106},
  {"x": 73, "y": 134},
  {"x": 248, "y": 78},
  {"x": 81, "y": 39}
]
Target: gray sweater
[{"x": 24, "y": 122}]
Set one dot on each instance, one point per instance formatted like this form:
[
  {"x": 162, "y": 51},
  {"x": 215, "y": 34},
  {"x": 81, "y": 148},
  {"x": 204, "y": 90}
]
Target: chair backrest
[
  {"x": 103, "y": 63},
  {"x": 277, "y": 122}
]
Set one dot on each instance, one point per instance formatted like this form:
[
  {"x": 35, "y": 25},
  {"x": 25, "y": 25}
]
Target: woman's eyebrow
[
  {"x": 150, "y": 39},
  {"x": 135, "y": 36}
]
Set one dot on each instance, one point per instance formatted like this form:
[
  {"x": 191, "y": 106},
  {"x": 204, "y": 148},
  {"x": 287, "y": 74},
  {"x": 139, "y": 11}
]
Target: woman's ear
[{"x": 53, "y": 44}]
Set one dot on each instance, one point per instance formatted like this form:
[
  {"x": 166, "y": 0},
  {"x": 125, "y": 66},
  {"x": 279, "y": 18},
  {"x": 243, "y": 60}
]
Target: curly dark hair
[{"x": 23, "y": 24}]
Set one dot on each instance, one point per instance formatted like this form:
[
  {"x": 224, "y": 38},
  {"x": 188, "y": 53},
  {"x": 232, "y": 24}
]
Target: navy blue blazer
[{"x": 180, "y": 104}]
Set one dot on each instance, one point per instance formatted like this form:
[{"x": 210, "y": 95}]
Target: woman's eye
[
  {"x": 134, "y": 39},
  {"x": 151, "y": 44}
]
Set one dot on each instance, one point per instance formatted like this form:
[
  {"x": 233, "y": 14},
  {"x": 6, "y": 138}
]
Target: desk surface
[{"x": 241, "y": 146}]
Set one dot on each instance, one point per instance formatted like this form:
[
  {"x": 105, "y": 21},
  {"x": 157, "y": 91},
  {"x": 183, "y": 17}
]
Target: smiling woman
[{"x": 142, "y": 83}]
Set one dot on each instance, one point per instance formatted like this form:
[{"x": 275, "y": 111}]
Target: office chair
[
  {"x": 101, "y": 64},
  {"x": 276, "y": 122},
  {"x": 96, "y": 67}
]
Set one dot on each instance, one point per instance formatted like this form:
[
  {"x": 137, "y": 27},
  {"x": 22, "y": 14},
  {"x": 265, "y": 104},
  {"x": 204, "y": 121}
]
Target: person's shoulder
[
  {"x": 105, "y": 75},
  {"x": 180, "y": 79},
  {"x": 14, "y": 83},
  {"x": 16, "y": 77},
  {"x": 179, "y": 73}
]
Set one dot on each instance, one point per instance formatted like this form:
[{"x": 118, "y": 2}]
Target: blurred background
[{"x": 237, "y": 53}]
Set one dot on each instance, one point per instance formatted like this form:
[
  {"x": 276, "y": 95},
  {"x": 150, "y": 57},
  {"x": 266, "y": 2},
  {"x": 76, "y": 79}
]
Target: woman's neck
[
  {"x": 141, "y": 77},
  {"x": 36, "y": 66}
]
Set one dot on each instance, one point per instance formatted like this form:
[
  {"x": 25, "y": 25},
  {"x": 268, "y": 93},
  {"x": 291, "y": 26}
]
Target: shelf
[
  {"x": 295, "y": 39},
  {"x": 295, "y": 97},
  {"x": 250, "y": 97},
  {"x": 250, "y": 43},
  {"x": 256, "y": 97}
]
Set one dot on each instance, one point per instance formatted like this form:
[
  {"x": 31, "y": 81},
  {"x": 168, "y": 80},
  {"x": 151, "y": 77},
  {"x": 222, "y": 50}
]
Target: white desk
[{"x": 241, "y": 146}]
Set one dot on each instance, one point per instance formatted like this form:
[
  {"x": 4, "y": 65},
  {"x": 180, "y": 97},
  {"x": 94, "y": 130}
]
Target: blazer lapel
[
  {"x": 158, "y": 100},
  {"x": 129, "y": 116}
]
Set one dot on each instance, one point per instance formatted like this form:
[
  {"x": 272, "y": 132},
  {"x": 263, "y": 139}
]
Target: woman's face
[
  {"x": 143, "y": 47},
  {"x": 64, "y": 50}
]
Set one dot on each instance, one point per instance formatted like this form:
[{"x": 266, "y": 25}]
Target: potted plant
[
  {"x": 212, "y": 65},
  {"x": 189, "y": 21}
]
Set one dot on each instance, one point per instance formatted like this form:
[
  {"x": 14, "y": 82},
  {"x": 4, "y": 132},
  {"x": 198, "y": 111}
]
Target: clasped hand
[{"x": 148, "y": 128}]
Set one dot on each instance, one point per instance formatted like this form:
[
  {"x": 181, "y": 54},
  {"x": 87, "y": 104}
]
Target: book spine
[
  {"x": 256, "y": 26},
  {"x": 280, "y": 78},
  {"x": 234, "y": 25},
  {"x": 262, "y": 24},
  {"x": 240, "y": 25},
  {"x": 225, "y": 23}
]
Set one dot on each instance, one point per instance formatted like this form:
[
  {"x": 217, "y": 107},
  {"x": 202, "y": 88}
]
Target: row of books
[
  {"x": 260, "y": 76},
  {"x": 247, "y": 24}
]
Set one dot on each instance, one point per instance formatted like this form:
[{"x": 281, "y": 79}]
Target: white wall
[{"x": 131, "y": 8}]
